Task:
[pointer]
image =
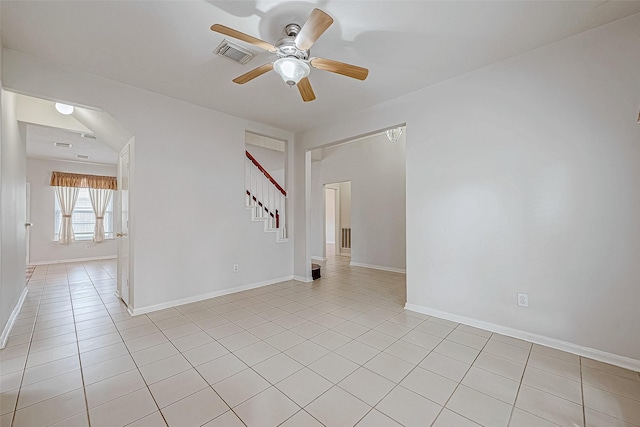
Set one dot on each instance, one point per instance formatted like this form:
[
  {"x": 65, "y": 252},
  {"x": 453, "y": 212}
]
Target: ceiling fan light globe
[{"x": 292, "y": 70}]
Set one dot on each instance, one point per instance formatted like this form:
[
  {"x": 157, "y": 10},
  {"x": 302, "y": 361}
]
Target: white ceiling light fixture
[
  {"x": 64, "y": 108},
  {"x": 291, "y": 69},
  {"x": 393, "y": 135}
]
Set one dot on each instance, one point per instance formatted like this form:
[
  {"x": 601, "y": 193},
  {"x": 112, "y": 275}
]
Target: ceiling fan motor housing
[
  {"x": 292, "y": 30},
  {"x": 287, "y": 46}
]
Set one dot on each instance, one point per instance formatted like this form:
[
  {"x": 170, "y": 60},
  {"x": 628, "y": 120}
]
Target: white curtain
[
  {"x": 99, "y": 200},
  {"x": 67, "y": 197}
]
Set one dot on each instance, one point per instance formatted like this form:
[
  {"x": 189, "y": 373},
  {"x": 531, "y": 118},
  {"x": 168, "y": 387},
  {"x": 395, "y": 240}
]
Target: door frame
[
  {"x": 336, "y": 204},
  {"x": 130, "y": 146},
  {"x": 28, "y": 224}
]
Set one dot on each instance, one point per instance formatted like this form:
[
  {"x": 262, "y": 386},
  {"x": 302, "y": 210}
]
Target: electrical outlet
[
  {"x": 236, "y": 268},
  {"x": 523, "y": 300}
]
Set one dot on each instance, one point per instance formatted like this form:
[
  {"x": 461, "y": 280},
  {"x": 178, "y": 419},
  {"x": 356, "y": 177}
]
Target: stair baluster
[{"x": 265, "y": 197}]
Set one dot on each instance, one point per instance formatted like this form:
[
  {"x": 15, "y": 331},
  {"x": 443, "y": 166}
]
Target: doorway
[
  {"x": 124, "y": 286},
  {"x": 88, "y": 142},
  {"x": 337, "y": 219},
  {"x": 331, "y": 214}
]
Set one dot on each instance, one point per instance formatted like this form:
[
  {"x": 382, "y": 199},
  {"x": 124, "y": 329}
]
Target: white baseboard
[
  {"x": 189, "y": 300},
  {"x": 12, "y": 319},
  {"x": 303, "y": 279},
  {"x": 60, "y": 261},
  {"x": 318, "y": 258},
  {"x": 378, "y": 267},
  {"x": 602, "y": 356}
]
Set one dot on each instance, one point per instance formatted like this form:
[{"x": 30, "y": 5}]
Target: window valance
[{"x": 65, "y": 179}]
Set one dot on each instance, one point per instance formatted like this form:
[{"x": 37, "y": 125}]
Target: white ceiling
[
  {"x": 166, "y": 47},
  {"x": 40, "y": 144}
]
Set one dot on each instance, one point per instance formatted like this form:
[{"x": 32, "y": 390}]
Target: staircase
[{"x": 265, "y": 197}]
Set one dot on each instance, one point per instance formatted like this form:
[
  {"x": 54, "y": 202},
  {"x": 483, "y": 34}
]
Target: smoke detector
[{"x": 233, "y": 52}]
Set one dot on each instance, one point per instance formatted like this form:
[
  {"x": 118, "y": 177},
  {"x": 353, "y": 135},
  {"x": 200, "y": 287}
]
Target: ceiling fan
[{"x": 293, "y": 54}]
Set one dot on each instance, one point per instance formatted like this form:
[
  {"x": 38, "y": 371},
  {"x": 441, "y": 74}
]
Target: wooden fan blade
[
  {"x": 304, "y": 86},
  {"x": 340, "y": 68},
  {"x": 256, "y": 72},
  {"x": 242, "y": 36},
  {"x": 316, "y": 24}
]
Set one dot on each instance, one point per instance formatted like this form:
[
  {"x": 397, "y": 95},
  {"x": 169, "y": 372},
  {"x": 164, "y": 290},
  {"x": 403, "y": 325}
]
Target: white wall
[
  {"x": 376, "y": 170},
  {"x": 42, "y": 247},
  {"x": 522, "y": 177},
  {"x": 272, "y": 161},
  {"x": 12, "y": 208},
  {"x": 189, "y": 223},
  {"x": 1, "y": 45},
  {"x": 345, "y": 201}
]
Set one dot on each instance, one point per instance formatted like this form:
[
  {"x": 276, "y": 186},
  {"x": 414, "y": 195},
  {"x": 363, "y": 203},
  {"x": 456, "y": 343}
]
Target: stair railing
[{"x": 265, "y": 196}]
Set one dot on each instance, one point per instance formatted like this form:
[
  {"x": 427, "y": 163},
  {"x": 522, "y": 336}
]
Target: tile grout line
[
  {"x": 513, "y": 408},
  {"x": 192, "y": 367},
  {"x": 370, "y": 298},
  {"x": 461, "y": 379},
  {"x": 360, "y": 366},
  {"x": 35, "y": 322},
  {"x": 373, "y": 407},
  {"x": 279, "y": 352},
  {"x": 99, "y": 296},
  {"x": 129, "y": 353},
  {"x": 26, "y": 359},
  {"x": 530, "y": 350},
  {"x": 304, "y": 366},
  {"x": 252, "y": 367},
  {"x": 73, "y": 312},
  {"x": 584, "y": 410}
]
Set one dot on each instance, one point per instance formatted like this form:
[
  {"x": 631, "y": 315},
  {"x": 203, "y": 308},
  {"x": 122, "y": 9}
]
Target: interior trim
[
  {"x": 602, "y": 356},
  {"x": 60, "y": 261},
  {"x": 378, "y": 267},
  {"x": 12, "y": 319},
  {"x": 202, "y": 297}
]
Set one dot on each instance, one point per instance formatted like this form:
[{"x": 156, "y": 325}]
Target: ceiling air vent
[
  {"x": 233, "y": 52},
  {"x": 82, "y": 156},
  {"x": 88, "y": 136},
  {"x": 62, "y": 144}
]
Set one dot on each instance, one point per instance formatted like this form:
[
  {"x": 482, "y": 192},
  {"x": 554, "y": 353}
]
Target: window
[{"x": 83, "y": 218}]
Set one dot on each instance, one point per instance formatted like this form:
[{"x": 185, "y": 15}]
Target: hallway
[{"x": 337, "y": 352}]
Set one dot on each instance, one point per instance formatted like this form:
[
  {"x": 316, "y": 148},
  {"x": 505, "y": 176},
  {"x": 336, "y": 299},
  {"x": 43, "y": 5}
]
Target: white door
[
  {"x": 28, "y": 223},
  {"x": 336, "y": 203},
  {"x": 123, "y": 234},
  {"x": 330, "y": 221}
]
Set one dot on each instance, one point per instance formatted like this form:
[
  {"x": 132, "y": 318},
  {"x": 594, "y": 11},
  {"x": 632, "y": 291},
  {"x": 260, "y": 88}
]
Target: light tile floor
[{"x": 337, "y": 352}]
